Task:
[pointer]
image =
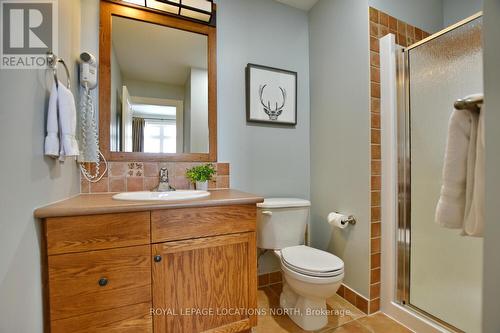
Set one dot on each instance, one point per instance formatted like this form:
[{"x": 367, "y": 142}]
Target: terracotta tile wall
[
  {"x": 381, "y": 24},
  {"x": 144, "y": 176}
]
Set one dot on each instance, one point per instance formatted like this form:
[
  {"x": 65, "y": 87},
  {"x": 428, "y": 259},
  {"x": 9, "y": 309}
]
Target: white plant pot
[{"x": 202, "y": 186}]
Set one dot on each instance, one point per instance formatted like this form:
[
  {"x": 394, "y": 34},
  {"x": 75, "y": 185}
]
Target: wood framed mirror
[{"x": 157, "y": 86}]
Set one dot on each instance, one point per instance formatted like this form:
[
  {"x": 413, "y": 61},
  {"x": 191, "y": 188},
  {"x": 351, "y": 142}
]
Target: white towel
[
  {"x": 52, "y": 138},
  {"x": 67, "y": 122},
  {"x": 61, "y": 124},
  {"x": 459, "y": 160},
  {"x": 474, "y": 213}
]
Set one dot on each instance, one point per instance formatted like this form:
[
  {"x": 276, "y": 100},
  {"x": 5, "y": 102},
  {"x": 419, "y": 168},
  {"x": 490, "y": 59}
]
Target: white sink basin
[{"x": 162, "y": 196}]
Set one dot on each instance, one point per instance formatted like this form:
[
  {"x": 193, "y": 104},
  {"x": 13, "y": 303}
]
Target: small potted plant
[{"x": 200, "y": 175}]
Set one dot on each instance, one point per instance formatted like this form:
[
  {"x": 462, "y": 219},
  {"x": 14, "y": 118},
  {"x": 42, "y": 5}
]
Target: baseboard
[
  {"x": 267, "y": 279},
  {"x": 354, "y": 298}
]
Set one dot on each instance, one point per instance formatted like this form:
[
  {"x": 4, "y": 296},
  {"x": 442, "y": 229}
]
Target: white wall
[
  {"x": 29, "y": 180},
  {"x": 491, "y": 266},
  {"x": 116, "y": 97},
  {"x": 140, "y": 88},
  {"x": 424, "y": 14},
  {"x": 456, "y": 10},
  {"x": 340, "y": 122},
  {"x": 267, "y": 160},
  {"x": 187, "y": 116},
  {"x": 198, "y": 111}
]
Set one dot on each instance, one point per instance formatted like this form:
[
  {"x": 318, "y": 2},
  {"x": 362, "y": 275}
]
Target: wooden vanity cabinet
[
  {"x": 172, "y": 270},
  {"x": 205, "y": 284}
]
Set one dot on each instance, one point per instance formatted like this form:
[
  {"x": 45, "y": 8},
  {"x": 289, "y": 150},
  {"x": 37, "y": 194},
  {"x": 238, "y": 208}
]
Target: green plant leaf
[{"x": 201, "y": 173}]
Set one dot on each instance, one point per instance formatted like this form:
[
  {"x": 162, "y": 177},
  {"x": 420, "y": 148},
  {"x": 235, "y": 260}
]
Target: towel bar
[
  {"x": 52, "y": 61},
  {"x": 471, "y": 103}
]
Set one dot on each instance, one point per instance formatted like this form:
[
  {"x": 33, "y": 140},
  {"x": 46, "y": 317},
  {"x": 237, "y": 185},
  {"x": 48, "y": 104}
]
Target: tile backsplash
[{"x": 144, "y": 176}]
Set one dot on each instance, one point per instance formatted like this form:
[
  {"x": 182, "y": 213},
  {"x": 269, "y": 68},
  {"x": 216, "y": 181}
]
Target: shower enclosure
[{"x": 439, "y": 270}]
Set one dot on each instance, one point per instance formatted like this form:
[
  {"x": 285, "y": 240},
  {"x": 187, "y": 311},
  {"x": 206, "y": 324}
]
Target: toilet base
[{"x": 308, "y": 313}]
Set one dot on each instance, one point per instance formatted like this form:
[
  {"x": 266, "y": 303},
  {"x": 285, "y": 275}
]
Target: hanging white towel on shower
[
  {"x": 458, "y": 166},
  {"x": 474, "y": 212},
  {"x": 461, "y": 203}
]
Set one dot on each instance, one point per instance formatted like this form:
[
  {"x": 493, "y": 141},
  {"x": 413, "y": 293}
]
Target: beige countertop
[{"x": 89, "y": 204}]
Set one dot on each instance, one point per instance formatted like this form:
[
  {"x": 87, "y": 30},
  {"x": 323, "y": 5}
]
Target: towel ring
[{"x": 52, "y": 62}]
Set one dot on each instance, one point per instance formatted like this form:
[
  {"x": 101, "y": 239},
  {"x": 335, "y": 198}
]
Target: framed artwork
[{"x": 271, "y": 95}]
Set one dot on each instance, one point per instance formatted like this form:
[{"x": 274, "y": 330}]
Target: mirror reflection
[{"x": 159, "y": 89}]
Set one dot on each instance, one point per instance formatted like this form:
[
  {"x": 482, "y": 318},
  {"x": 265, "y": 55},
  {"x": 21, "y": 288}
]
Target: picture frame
[{"x": 271, "y": 95}]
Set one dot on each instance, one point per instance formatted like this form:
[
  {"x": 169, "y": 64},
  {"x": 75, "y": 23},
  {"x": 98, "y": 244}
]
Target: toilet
[{"x": 310, "y": 275}]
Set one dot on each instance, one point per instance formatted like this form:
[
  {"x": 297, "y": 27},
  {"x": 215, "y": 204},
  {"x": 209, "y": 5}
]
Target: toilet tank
[{"x": 281, "y": 222}]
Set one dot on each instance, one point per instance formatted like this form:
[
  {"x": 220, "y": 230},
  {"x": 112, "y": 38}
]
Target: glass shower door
[{"x": 445, "y": 268}]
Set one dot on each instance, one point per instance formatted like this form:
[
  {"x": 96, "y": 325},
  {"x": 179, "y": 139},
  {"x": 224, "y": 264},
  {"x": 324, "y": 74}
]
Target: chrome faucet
[{"x": 164, "y": 186}]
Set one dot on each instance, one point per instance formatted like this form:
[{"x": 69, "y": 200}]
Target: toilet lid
[
  {"x": 311, "y": 261},
  {"x": 283, "y": 203}
]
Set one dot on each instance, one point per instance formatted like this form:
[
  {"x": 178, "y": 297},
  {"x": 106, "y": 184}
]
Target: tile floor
[{"x": 348, "y": 320}]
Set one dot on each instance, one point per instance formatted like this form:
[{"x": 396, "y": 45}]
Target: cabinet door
[
  {"x": 205, "y": 284},
  {"x": 89, "y": 282}
]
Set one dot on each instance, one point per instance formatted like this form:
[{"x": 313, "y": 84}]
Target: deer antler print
[{"x": 276, "y": 112}]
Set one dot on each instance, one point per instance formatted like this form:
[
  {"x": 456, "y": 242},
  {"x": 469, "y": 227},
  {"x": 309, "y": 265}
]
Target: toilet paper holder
[{"x": 350, "y": 219}]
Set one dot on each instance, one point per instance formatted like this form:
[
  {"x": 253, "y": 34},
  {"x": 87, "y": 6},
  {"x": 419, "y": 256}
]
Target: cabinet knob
[
  {"x": 103, "y": 281},
  {"x": 157, "y": 258}
]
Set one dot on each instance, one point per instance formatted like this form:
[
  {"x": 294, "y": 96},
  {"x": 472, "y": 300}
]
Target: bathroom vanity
[{"x": 144, "y": 266}]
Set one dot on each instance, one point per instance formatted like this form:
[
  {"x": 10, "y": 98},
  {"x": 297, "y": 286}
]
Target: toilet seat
[
  {"x": 308, "y": 261},
  {"x": 315, "y": 274},
  {"x": 309, "y": 278},
  {"x": 311, "y": 261}
]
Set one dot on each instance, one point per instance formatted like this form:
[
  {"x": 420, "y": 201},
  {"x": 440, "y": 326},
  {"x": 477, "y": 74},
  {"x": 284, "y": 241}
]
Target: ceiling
[
  {"x": 154, "y": 110},
  {"x": 154, "y": 53},
  {"x": 300, "y": 4}
]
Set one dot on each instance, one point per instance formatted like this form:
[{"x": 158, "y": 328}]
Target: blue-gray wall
[
  {"x": 28, "y": 179},
  {"x": 457, "y": 10},
  {"x": 271, "y": 161},
  {"x": 340, "y": 124}
]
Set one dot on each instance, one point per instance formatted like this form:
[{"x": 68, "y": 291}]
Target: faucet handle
[{"x": 163, "y": 175}]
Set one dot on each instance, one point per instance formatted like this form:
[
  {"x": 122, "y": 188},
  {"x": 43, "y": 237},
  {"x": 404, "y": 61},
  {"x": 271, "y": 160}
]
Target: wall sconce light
[{"x": 200, "y": 10}]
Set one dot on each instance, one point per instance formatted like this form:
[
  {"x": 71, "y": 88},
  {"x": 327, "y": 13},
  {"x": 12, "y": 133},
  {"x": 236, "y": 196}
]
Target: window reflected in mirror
[{"x": 159, "y": 89}]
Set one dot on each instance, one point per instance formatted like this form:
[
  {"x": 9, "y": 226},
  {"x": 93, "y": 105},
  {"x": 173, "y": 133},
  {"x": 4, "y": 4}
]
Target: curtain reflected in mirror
[{"x": 138, "y": 134}]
